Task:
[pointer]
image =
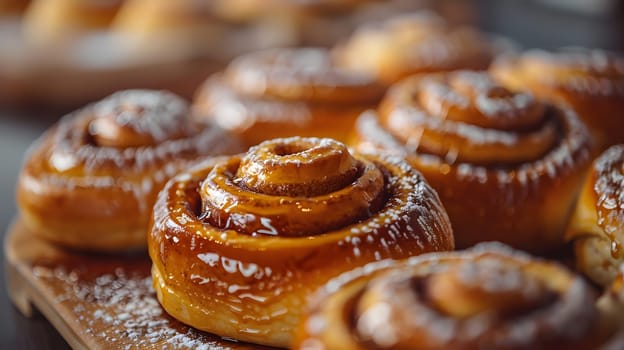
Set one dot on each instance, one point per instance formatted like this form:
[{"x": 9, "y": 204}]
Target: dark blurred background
[{"x": 531, "y": 23}]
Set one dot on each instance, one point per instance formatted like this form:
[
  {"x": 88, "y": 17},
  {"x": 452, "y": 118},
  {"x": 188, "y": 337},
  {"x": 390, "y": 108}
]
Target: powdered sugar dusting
[
  {"x": 157, "y": 114},
  {"x": 571, "y": 151},
  {"x": 413, "y": 214},
  {"x": 468, "y": 114},
  {"x": 594, "y": 72},
  {"x": 399, "y": 310},
  {"x": 409, "y": 220},
  {"x": 115, "y": 305},
  {"x": 66, "y": 158}
]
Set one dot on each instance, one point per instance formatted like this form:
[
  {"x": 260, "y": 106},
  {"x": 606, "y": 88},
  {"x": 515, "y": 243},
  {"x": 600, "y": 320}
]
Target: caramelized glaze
[
  {"x": 590, "y": 81},
  {"x": 287, "y": 92},
  {"x": 486, "y": 297},
  {"x": 597, "y": 226},
  {"x": 91, "y": 180},
  {"x": 239, "y": 261},
  {"x": 507, "y": 166}
]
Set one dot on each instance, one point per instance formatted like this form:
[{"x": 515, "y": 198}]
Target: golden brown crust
[
  {"x": 597, "y": 226},
  {"x": 91, "y": 180},
  {"x": 239, "y": 261},
  {"x": 287, "y": 92},
  {"x": 590, "y": 81},
  {"x": 483, "y": 298},
  {"x": 416, "y": 43},
  {"x": 506, "y": 166}
]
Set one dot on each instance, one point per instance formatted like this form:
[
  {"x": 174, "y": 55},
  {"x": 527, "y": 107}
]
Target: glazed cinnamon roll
[
  {"x": 590, "y": 81},
  {"x": 420, "y": 42},
  {"x": 506, "y": 166},
  {"x": 488, "y": 297},
  {"x": 597, "y": 226},
  {"x": 287, "y": 92},
  {"x": 238, "y": 243},
  {"x": 91, "y": 181}
]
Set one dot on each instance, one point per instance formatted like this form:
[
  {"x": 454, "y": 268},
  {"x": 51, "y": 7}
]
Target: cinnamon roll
[
  {"x": 90, "y": 182},
  {"x": 488, "y": 297},
  {"x": 506, "y": 166},
  {"x": 597, "y": 226},
  {"x": 590, "y": 81},
  {"x": 238, "y": 243},
  {"x": 420, "y": 42},
  {"x": 287, "y": 92}
]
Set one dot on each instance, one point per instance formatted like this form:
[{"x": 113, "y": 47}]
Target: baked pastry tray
[{"x": 96, "y": 301}]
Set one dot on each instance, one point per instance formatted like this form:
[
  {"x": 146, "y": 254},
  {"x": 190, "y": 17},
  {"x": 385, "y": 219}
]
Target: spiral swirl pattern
[
  {"x": 271, "y": 179},
  {"x": 468, "y": 116},
  {"x": 278, "y": 222},
  {"x": 487, "y": 297},
  {"x": 593, "y": 72},
  {"x": 473, "y": 138},
  {"x": 287, "y": 92},
  {"x": 104, "y": 165},
  {"x": 591, "y": 81}
]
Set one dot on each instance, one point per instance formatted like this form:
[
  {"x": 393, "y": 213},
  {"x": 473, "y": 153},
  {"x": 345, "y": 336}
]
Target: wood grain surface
[{"x": 96, "y": 301}]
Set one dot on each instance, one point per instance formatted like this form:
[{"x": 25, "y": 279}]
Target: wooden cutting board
[{"x": 96, "y": 301}]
